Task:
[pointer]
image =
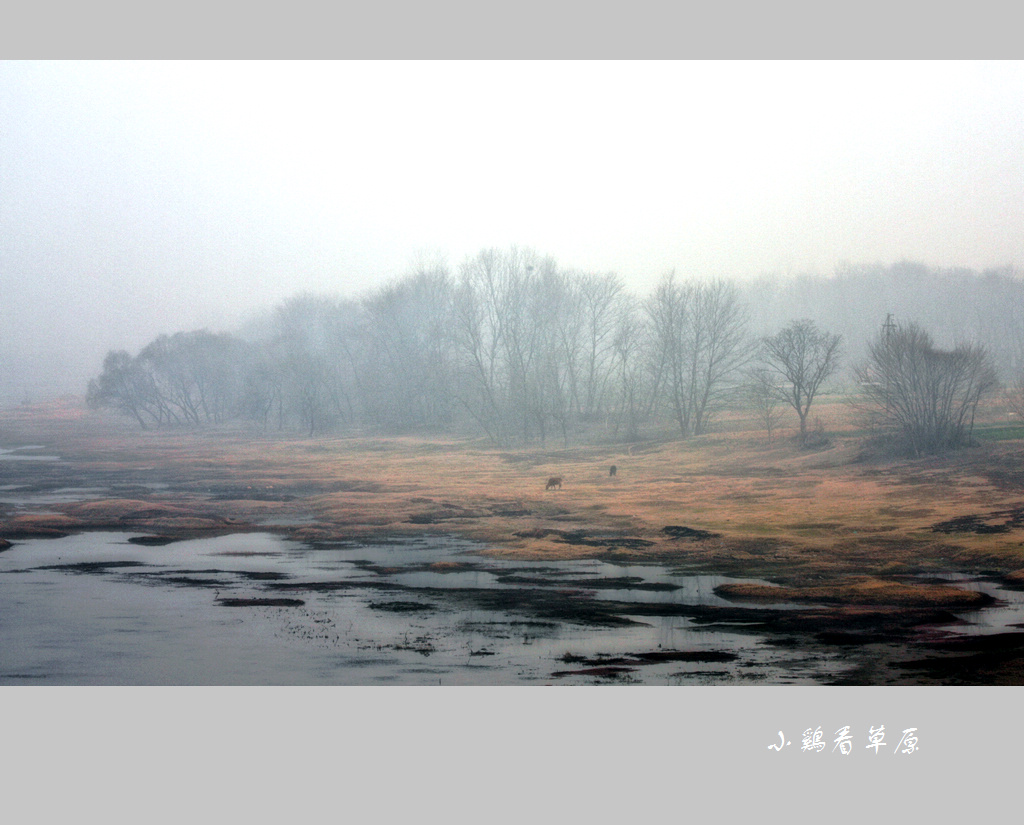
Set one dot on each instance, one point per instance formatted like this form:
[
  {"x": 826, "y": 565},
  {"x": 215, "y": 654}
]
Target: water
[
  {"x": 18, "y": 454},
  {"x": 95, "y": 609},
  {"x": 1007, "y": 614},
  {"x": 13, "y": 494}
]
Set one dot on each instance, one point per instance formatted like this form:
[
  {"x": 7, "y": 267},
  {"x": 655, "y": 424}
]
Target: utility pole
[{"x": 888, "y": 328}]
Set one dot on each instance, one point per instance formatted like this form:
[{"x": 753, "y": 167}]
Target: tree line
[{"x": 510, "y": 346}]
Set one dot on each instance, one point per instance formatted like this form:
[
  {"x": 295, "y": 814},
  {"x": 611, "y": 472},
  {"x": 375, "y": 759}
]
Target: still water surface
[{"x": 95, "y": 609}]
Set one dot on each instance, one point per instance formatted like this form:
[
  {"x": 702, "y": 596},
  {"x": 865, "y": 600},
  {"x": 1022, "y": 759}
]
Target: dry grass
[{"x": 824, "y": 524}]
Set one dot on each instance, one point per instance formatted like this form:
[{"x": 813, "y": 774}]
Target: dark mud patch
[
  {"x": 445, "y": 512},
  {"x": 964, "y": 659},
  {"x": 246, "y": 554},
  {"x": 877, "y": 639},
  {"x": 660, "y": 656},
  {"x": 261, "y": 575},
  {"x": 603, "y": 583},
  {"x": 191, "y": 581},
  {"x": 676, "y": 531},
  {"x": 564, "y": 605},
  {"x": 260, "y": 602},
  {"x": 442, "y": 567},
  {"x": 577, "y": 602},
  {"x": 581, "y": 538},
  {"x": 401, "y": 607},
  {"x": 93, "y": 566},
  {"x": 795, "y": 627},
  {"x": 844, "y": 638},
  {"x": 969, "y": 524},
  {"x": 998, "y": 521},
  {"x": 214, "y": 577},
  {"x": 510, "y": 510},
  {"x": 988, "y": 644},
  {"x": 540, "y": 604},
  {"x": 153, "y": 541},
  {"x": 604, "y": 672},
  {"x": 332, "y": 586},
  {"x": 27, "y": 533},
  {"x": 615, "y": 666},
  {"x": 654, "y": 657},
  {"x": 425, "y": 518}
]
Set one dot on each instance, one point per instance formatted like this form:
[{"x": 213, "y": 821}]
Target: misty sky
[{"x": 141, "y": 198}]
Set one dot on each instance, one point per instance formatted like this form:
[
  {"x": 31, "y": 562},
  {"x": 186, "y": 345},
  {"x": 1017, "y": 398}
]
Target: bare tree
[
  {"x": 699, "y": 332},
  {"x": 634, "y": 371},
  {"x": 600, "y": 298},
  {"x": 125, "y": 386},
  {"x": 479, "y": 384},
  {"x": 928, "y": 397},
  {"x": 498, "y": 319},
  {"x": 189, "y": 378},
  {"x": 408, "y": 331},
  {"x": 804, "y": 357},
  {"x": 304, "y": 359},
  {"x": 518, "y": 334},
  {"x": 553, "y": 381}
]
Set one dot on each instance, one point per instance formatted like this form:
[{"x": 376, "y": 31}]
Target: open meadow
[{"x": 884, "y": 568}]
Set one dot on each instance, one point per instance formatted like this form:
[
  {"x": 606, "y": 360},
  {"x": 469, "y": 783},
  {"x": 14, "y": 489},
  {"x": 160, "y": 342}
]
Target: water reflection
[
  {"x": 1007, "y": 614},
  {"x": 95, "y": 608},
  {"x": 20, "y": 454}
]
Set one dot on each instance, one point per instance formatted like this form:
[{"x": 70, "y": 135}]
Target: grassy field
[{"x": 826, "y": 524}]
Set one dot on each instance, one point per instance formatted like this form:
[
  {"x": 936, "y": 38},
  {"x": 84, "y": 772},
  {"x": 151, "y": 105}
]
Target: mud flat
[
  {"x": 711, "y": 561},
  {"x": 259, "y": 609},
  {"x": 256, "y": 608}
]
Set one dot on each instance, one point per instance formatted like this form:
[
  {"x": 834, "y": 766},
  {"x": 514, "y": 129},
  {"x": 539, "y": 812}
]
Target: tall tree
[
  {"x": 408, "y": 325},
  {"x": 699, "y": 332},
  {"x": 600, "y": 305},
  {"x": 634, "y": 371},
  {"x": 804, "y": 357},
  {"x": 125, "y": 386}
]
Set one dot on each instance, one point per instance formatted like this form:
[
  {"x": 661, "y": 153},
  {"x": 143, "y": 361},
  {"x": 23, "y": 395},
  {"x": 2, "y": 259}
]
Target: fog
[{"x": 141, "y": 199}]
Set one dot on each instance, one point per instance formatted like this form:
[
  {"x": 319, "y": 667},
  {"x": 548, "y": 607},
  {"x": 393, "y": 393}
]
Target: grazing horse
[
  {"x": 554, "y": 481},
  {"x": 612, "y": 470}
]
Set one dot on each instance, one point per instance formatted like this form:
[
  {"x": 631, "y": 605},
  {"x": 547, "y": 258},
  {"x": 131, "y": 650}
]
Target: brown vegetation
[{"x": 823, "y": 527}]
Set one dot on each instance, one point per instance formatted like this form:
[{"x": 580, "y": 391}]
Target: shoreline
[{"x": 866, "y": 544}]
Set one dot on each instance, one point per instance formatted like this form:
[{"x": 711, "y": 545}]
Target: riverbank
[{"x": 870, "y": 544}]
